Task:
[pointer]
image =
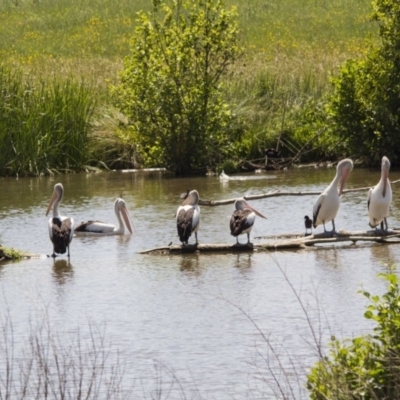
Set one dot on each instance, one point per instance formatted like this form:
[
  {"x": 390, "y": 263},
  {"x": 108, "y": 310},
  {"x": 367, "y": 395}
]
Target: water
[{"x": 209, "y": 325}]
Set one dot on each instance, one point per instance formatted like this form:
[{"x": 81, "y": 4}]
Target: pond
[{"x": 221, "y": 326}]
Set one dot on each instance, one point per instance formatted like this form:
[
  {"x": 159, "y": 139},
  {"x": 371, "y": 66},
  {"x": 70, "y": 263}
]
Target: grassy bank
[{"x": 290, "y": 50}]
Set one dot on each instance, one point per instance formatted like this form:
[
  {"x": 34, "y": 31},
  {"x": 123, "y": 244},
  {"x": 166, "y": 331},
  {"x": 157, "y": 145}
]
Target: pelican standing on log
[
  {"x": 188, "y": 217},
  {"x": 328, "y": 202},
  {"x": 380, "y": 198},
  {"x": 61, "y": 229},
  {"x": 98, "y": 228},
  {"x": 243, "y": 218}
]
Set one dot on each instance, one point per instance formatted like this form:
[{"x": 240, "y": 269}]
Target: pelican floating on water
[
  {"x": 243, "y": 218},
  {"x": 99, "y": 228},
  {"x": 188, "y": 217},
  {"x": 328, "y": 202},
  {"x": 379, "y": 198},
  {"x": 61, "y": 229}
]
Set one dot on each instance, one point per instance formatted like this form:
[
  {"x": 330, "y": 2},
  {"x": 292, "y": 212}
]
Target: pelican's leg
[
  {"x": 68, "y": 251},
  {"x": 386, "y": 224},
  {"x": 195, "y": 234},
  {"x": 237, "y": 239},
  {"x": 323, "y": 223},
  {"x": 248, "y": 238},
  {"x": 333, "y": 225}
]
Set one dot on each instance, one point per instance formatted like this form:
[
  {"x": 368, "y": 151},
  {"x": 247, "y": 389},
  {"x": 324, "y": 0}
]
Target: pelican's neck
[
  {"x": 121, "y": 226},
  {"x": 334, "y": 184},
  {"x": 56, "y": 212}
]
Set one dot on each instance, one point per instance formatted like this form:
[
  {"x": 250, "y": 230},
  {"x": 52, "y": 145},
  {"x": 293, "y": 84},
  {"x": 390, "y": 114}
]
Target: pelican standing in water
[
  {"x": 243, "y": 218},
  {"x": 379, "y": 198},
  {"x": 61, "y": 229},
  {"x": 188, "y": 217},
  {"x": 328, "y": 202},
  {"x": 98, "y": 228}
]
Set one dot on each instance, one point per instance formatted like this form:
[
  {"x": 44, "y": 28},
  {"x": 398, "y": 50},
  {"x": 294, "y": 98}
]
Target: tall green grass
[{"x": 44, "y": 124}]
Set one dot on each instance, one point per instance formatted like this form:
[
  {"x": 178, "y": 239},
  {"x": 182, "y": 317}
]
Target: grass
[{"x": 291, "y": 48}]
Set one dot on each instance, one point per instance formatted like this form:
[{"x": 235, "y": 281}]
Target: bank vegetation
[{"x": 60, "y": 59}]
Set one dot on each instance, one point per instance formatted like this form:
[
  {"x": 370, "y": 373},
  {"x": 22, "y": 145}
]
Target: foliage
[
  {"x": 171, "y": 83},
  {"x": 365, "y": 106},
  {"x": 366, "y": 367},
  {"x": 44, "y": 124}
]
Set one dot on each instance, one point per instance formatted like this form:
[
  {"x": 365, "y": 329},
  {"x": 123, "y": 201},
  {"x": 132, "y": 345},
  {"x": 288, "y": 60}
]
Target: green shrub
[
  {"x": 170, "y": 87},
  {"x": 365, "y": 106},
  {"x": 367, "y": 367}
]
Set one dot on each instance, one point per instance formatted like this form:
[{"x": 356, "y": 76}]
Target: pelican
[
  {"x": 188, "y": 217},
  {"x": 243, "y": 218},
  {"x": 379, "y": 198},
  {"x": 61, "y": 229},
  {"x": 328, "y": 202},
  {"x": 98, "y": 228}
]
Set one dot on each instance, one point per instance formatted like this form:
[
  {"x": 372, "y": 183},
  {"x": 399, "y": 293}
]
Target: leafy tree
[
  {"x": 365, "y": 107},
  {"x": 367, "y": 367},
  {"x": 170, "y": 87}
]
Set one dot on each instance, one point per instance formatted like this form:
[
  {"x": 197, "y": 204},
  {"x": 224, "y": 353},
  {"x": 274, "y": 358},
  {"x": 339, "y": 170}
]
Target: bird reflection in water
[
  {"x": 383, "y": 255},
  {"x": 243, "y": 261},
  {"x": 62, "y": 271},
  {"x": 190, "y": 265}
]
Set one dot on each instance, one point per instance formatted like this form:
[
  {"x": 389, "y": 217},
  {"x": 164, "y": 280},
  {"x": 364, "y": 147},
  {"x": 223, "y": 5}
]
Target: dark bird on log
[
  {"x": 243, "y": 218},
  {"x": 308, "y": 225},
  {"x": 272, "y": 153},
  {"x": 188, "y": 217}
]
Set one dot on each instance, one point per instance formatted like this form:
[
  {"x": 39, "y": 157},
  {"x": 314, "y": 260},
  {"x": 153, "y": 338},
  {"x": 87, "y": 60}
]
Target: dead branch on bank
[
  {"x": 278, "y": 193},
  {"x": 297, "y": 243}
]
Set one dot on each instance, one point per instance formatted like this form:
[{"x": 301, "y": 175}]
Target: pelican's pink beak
[
  {"x": 52, "y": 200},
  {"x": 343, "y": 180},
  {"x": 254, "y": 210},
  {"x": 126, "y": 217},
  {"x": 385, "y": 181}
]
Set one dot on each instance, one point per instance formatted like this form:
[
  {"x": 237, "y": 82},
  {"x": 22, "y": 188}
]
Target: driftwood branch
[
  {"x": 278, "y": 193},
  {"x": 297, "y": 243}
]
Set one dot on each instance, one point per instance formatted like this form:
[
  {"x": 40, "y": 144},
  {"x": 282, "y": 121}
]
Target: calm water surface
[{"x": 198, "y": 318}]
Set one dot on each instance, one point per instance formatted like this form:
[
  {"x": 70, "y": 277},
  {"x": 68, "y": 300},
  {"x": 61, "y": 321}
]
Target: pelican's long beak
[
  {"x": 385, "y": 181},
  {"x": 126, "y": 217},
  {"x": 52, "y": 200},
  {"x": 253, "y": 209},
  {"x": 343, "y": 180}
]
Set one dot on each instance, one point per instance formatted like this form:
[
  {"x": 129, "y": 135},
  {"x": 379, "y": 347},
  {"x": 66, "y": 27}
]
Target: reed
[{"x": 44, "y": 125}]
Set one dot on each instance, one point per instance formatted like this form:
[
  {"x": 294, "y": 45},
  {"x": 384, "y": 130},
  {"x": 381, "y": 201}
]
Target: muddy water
[{"x": 192, "y": 320}]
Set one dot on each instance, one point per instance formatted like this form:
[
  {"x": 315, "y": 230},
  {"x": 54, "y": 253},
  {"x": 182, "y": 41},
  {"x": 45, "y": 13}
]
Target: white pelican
[
  {"x": 379, "y": 198},
  {"x": 61, "y": 229},
  {"x": 98, "y": 228},
  {"x": 243, "y": 218},
  {"x": 328, "y": 202},
  {"x": 188, "y": 217}
]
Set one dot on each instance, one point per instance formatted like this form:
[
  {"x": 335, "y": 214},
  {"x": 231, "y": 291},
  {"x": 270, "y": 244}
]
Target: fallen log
[
  {"x": 278, "y": 193},
  {"x": 297, "y": 243}
]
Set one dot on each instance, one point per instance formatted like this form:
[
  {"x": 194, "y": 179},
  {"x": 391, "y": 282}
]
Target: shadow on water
[{"x": 63, "y": 271}]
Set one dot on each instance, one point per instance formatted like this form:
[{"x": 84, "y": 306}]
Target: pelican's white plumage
[
  {"x": 98, "y": 228},
  {"x": 380, "y": 198},
  {"x": 243, "y": 219},
  {"x": 188, "y": 217},
  {"x": 61, "y": 229},
  {"x": 327, "y": 205}
]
